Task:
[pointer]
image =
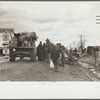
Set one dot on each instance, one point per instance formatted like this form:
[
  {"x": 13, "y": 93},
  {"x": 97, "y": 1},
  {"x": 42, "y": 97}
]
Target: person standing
[
  {"x": 55, "y": 56},
  {"x": 44, "y": 54},
  {"x": 62, "y": 57},
  {"x": 75, "y": 50},
  {"x": 70, "y": 58},
  {"x": 48, "y": 50},
  {"x": 40, "y": 51}
]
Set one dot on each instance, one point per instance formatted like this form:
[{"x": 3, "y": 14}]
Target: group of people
[
  {"x": 57, "y": 53},
  {"x": 48, "y": 50}
]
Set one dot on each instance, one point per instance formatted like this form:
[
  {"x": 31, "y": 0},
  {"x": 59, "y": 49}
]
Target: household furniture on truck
[{"x": 23, "y": 45}]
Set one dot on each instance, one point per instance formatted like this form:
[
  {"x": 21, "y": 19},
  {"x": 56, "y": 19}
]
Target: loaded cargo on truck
[
  {"x": 23, "y": 45},
  {"x": 20, "y": 44}
]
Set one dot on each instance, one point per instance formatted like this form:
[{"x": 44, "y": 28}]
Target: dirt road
[{"x": 40, "y": 71}]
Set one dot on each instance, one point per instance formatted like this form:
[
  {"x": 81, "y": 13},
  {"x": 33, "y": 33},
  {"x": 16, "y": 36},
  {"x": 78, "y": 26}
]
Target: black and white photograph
[
  {"x": 49, "y": 49},
  {"x": 49, "y": 41}
]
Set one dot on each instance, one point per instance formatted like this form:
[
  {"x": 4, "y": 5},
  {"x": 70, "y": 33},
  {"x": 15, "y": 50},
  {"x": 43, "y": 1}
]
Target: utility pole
[{"x": 81, "y": 43}]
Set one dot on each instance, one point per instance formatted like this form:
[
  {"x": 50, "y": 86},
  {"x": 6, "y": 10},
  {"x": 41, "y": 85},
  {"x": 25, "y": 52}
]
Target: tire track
[{"x": 92, "y": 78}]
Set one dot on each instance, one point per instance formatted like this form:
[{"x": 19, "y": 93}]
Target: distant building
[
  {"x": 91, "y": 49},
  {"x": 5, "y": 34}
]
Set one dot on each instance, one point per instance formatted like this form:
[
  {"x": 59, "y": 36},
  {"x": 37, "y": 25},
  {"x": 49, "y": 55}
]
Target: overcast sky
[{"x": 60, "y": 22}]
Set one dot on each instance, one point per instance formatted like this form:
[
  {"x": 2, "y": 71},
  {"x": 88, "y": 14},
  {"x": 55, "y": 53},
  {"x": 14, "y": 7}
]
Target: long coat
[
  {"x": 55, "y": 55},
  {"x": 40, "y": 52}
]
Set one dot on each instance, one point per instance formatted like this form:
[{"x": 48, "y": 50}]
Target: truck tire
[
  {"x": 12, "y": 57},
  {"x": 32, "y": 56}
]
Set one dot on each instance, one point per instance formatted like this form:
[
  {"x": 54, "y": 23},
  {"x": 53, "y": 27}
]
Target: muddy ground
[{"x": 24, "y": 70}]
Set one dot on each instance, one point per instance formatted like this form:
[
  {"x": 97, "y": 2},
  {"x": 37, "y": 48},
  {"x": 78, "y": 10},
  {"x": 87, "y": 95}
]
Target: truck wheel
[
  {"x": 12, "y": 57},
  {"x": 32, "y": 56}
]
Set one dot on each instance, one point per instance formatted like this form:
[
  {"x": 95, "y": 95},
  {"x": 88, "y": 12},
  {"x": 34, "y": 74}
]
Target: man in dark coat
[
  {"x": 54, "y": 56},
  {"x": 62, "y": 57},
  {"x": 75, "y": 50},
  {"x": 40, "y": 51},
  {"x": 70, "y": 58},
  {"x": 44, "y": 54}
]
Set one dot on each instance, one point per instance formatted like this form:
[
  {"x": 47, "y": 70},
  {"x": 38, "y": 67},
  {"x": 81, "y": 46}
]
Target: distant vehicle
[{"x": 72, "y": 58}]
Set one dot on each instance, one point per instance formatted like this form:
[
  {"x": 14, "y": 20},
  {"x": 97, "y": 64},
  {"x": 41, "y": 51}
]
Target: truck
[{"x": 23, "y": 45}]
